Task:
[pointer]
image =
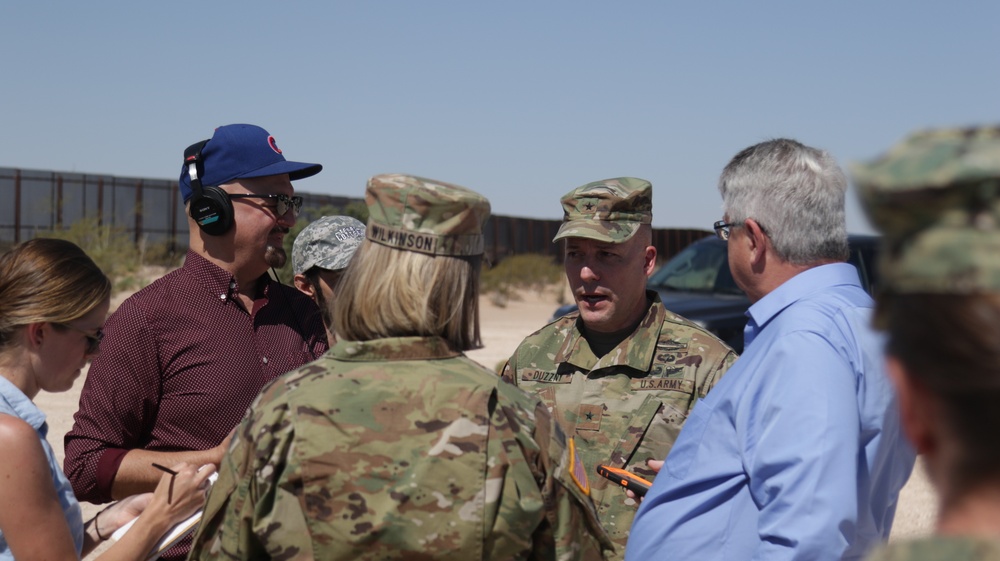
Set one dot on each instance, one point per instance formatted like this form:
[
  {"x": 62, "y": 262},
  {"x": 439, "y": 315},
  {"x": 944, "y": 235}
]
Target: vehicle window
[
  {"x": 870, "y": 255},
  {"x": 696, "y": 268},
  {"x": 863, "y": 258},
  {"x": 858, "y": 262},
  {"x": 726, "y": 284}
]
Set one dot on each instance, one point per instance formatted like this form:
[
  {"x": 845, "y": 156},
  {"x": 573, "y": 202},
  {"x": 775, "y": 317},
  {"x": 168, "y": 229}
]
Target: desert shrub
[
  {"x": 518, "y": 273},
  {"x": 159, "y": 254},
  {"x": 111, "y": 247},
  {"x": 114, "y": 250}
]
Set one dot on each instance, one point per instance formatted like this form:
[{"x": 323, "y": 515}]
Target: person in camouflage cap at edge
[
  {"x": 936, "y": 199},
  {"x": 394, "y": 445},
  {"x": 623, "y": 373},
  {"x": 320, "y": 254}
]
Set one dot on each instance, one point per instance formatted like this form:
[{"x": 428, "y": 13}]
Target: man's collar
[
  {"x": 630, "y": 351},
  {"x": 393, "y": 348},
  {"x": 218, "y": 281},
  {"x": 805, "y": 283}
]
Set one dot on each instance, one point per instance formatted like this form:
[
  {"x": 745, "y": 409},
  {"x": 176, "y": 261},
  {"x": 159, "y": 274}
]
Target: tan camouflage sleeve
[
  {"x": 577, "y": 533},
  {"x": 934, "y": 547},
  {"x": 509, "y": 370},
  {"x": 716, "y": 373},
  {"x": 246, "y": 496}
]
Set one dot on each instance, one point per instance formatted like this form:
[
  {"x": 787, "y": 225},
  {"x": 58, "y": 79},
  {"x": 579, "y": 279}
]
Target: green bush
[
  {"x": 114, "y": 250},
  {"x": 518, "y": 273}
]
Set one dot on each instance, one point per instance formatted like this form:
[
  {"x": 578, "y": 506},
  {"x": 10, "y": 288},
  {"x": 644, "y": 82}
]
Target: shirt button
[
  {"x": 222, "y": 297},
  {"x": 264, "y": 360}
]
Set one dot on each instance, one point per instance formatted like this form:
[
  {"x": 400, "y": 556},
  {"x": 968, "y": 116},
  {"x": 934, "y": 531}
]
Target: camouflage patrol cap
[
  {"x": 426, "y": 216},
  {"x": 610, "y": 210},
  {"x": 936, "y": 198},
  {"x": 328, "y": 243}
]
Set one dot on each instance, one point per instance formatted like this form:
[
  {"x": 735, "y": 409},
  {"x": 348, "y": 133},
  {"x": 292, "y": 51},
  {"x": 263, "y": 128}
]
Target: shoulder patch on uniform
[{"x": 576, "y": 469}]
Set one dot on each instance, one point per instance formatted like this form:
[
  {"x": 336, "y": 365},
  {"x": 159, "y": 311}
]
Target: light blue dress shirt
[
  {"x": 797, "y": 453},
  {"x": 14, "y": 402}
]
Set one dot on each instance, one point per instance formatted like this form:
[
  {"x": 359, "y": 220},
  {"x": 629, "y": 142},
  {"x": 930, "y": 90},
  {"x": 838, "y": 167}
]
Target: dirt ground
[{"x": 503, "y": 328}]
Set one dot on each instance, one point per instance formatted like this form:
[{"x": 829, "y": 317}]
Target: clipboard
[{"x": 174, "y": 535}]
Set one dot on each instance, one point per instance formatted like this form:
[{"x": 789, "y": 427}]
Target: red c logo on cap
[{"x": 273, "y": 144}]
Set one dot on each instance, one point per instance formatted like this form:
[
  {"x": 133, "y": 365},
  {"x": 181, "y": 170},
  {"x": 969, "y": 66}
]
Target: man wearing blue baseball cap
[{"x": 183, "y": 358}]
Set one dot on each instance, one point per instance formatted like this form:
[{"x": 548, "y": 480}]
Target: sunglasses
[
  {"x": 93, "y": 339},
  {"x": 283, "y": 203}
]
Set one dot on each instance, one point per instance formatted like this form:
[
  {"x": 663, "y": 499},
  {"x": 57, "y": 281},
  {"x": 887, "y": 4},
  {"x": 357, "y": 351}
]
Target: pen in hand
[{"x": 170, "y": 489}]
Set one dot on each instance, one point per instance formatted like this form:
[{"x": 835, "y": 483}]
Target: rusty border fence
[{"x": 151, "y": 211}]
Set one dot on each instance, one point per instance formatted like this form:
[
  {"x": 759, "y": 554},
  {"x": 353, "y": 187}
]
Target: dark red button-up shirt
[{"x": 180, "y": 363}]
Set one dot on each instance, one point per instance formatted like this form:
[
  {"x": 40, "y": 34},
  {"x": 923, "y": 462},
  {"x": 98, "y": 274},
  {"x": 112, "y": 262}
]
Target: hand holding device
[{"x": 626, "y": 479}]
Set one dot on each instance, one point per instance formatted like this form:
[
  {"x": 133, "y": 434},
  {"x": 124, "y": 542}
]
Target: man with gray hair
[
  {"x": 797, "y": 452},
  {"x": 320, "y": 255}
]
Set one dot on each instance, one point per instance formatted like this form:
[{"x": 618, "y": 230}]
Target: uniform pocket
[{"x": 634, "y": 432}]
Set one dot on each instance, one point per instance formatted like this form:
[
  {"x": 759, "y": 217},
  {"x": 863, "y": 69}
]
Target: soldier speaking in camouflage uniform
[
  {"x": 936, "y": 199},
  {"x": 394, "y": 445},
  {"x": 623, "y": 373}
]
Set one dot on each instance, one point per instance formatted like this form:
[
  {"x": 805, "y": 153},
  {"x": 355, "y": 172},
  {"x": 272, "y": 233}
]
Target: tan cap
[
  {"x": 427, "y": 216},
  {"x": 610, "y": 210},
  {"x": 935, "y": 197}
]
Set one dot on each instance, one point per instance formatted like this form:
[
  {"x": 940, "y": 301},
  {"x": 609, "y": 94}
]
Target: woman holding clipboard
[{"x": 53, "y": 301}]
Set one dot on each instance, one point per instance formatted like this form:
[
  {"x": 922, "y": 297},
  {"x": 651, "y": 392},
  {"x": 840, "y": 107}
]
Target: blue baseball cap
[{"x": 239, "y": 151}]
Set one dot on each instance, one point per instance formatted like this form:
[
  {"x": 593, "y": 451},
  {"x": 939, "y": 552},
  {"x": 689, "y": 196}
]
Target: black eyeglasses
[
  {"x": 283, "y": 203},
  {"x": 721, "y": 228},
  {"x": 93, "y": 339}
]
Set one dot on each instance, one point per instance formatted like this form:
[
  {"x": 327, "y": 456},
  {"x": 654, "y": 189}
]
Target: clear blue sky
[{"x": 521, "y": 101}]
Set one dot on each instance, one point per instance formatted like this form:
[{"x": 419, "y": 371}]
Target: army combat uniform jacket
[
  {"x": 939, "y": 548},
  {"x": 627, "y": 406},
  {"x": 398, "y": 449}
]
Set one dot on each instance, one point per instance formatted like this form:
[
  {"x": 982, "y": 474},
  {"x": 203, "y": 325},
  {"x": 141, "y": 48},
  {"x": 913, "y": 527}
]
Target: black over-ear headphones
[{"x": 210, "y": 206}]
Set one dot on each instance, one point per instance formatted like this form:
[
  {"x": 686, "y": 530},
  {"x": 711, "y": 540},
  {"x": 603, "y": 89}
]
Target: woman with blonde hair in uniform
[{"x": 394, "y": 444}]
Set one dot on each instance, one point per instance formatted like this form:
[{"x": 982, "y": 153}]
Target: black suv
[{"x": 697, "y": 284}]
